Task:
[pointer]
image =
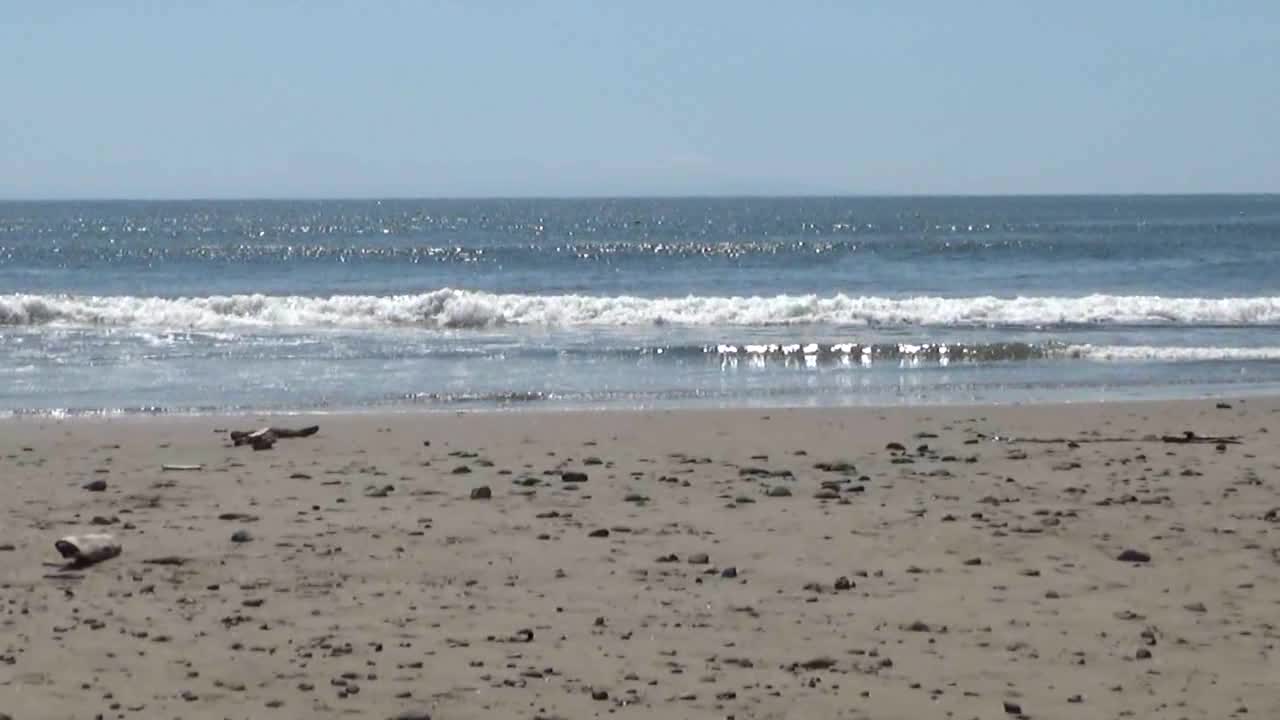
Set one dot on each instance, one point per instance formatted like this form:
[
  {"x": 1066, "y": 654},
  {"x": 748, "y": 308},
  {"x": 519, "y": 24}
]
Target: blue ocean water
[{"x": 424, "y": 304}]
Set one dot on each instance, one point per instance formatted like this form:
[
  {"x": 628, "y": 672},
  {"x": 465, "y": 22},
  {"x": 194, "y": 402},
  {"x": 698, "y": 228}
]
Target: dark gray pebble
[{"x": 1135, "y": 556}]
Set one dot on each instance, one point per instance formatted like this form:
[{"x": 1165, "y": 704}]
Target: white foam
[{"x": 450, "y": 308}]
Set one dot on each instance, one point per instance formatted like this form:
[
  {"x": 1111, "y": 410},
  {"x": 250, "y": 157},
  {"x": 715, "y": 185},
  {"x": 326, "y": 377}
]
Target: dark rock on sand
[
  {"x": 601, "y": 533},
  {"x": 729, "y": 573},
  {"x": 1134, "y": 556},
  {"x": 699, "y": 559},
  {"x": 412, "y": 715},
  {"x": 481, "y": 493},
  {"x": 1012, "y": 708},
  {"x": 241, "y": 536},
  {"x": 573, "y": 476},
  {"x": 779, "y": 491},
  {"x": 843, "y": 583},
  {"x": 96, "y": 485}
]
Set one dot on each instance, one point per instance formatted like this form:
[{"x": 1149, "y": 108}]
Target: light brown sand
[{"x": 983, "y": 572}]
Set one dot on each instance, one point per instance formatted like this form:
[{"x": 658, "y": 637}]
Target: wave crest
[{"x": 453, "y": 308}]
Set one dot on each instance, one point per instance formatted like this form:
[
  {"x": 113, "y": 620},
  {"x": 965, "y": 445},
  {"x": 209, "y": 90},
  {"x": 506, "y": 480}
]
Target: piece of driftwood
[
  {"x": 1186, "y": 438},
  {"x": 265, "y": 438},
  {"x": 1189, "y": 437},
  {"x": 85, "y": 550}
]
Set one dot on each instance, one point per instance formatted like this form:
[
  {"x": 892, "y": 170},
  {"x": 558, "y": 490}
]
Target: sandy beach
[{"x": 683, "y": 564}]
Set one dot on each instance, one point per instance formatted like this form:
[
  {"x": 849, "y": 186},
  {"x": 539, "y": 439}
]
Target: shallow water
[{"x": 218, "y": 306}]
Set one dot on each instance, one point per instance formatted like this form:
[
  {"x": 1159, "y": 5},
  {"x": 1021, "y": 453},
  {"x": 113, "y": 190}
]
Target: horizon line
[{"x": 692, "y": 196}]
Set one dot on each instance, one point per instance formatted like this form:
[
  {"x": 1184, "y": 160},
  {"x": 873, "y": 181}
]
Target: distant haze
[{"x": 578, "y": 98}]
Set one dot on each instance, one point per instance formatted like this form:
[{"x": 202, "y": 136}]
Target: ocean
[{"x": 245, "y": 306}]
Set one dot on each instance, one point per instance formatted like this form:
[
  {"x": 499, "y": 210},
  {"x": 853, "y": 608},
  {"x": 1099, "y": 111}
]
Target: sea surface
[{"x": 239, "y": 306}]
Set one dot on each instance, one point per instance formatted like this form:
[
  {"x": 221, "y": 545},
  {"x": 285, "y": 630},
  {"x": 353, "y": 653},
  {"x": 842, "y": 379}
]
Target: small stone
[
  {"x": 599, "y": 695},
  {"x": 729, "y": 573},
  {"x": 601, "y": 533},
  {"x": 571, "y": 476},
  {"x": 699, "y": 559},
  {"x": 973, "y": 561},
  {"x": 189, "y": 696},
  {"x": 241, "y": 536},
  {"x": 412, "y": 715},
  {"x": 1143, "y": 654},
  {"x": 1196, "y": 607},
  {"x": 1134, "y": 556},
  {"x": 818, "y": 663},
  {"x": 779, "y": 491},
  {"x": 460, "y": 470},
  {"x": 1012, "y": 708},
  {"x": 481, "y": 493},
  {"x": 96, "y": 485},
  {"x": 843, "y": 583},
  {"x": 826, "y": 494}
]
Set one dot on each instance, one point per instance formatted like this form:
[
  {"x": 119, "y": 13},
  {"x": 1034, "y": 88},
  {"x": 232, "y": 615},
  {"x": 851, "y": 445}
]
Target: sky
[{"x": 502, "y": 98}]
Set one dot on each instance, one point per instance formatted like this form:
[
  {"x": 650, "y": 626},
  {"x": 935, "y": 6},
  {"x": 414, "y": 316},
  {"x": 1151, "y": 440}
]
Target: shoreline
[
  {"x": 900, "y": 562},
  {"x": 554, "y": 409}
]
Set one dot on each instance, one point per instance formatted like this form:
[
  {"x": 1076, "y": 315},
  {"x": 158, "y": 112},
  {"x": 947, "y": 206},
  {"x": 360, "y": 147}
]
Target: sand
[{"x": 701, "y": 570}]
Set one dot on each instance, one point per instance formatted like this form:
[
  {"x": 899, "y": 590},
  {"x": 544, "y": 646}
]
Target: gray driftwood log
[{"x": 265, "y": 438}]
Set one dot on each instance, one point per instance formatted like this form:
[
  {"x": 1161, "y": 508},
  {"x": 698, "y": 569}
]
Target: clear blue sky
[{"x": 642, "y": 97}]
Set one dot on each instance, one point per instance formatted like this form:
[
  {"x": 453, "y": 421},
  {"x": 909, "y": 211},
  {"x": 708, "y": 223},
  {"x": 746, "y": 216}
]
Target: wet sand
[{"x": 684, "y": 564}]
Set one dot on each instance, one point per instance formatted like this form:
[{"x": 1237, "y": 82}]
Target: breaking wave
[{"x": 453, "y": 308}]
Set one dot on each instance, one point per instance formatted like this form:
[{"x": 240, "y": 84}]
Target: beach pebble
[
  {"x": 699, "y": 559},
  {"x": 481, "y": 493},
  {"x": 601, "y": 533},
  {"x": 843, "y": 583},
  {"x": 570, "y": 476},
  {"x": 729, "y": 573},
  {"x": 96, "y": 485},
  {"x": 779, "y": 491},
  {"x": 1134, "y": 556},
  {"x": 241, "y": 536},
  {"x": 1012, "y": 708}
]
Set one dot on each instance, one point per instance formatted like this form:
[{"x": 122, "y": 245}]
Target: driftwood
[
  {"x": 265, "y": 438},
  {"x": 1189, "y": 437},
  {"x": 1186, "y": 438},
  {"x": 85, "y": 550}
]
